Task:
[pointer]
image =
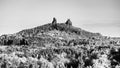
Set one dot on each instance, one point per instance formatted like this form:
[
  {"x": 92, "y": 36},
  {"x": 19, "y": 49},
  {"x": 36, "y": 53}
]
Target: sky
[{"x": 101, "y": 16}]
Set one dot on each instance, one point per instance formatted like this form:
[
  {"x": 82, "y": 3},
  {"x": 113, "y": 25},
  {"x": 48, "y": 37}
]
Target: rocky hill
[
  {"x": 65, "y": 31},
  {"x": 58, "y": 45}
]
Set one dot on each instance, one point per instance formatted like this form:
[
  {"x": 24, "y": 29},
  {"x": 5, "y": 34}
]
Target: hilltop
[
  {"x": 65, "y": 30},
  {"x": 67, "y": 27}
]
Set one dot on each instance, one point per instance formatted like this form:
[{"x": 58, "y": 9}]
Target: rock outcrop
[
  {"x": 68, "y": 22},
  {"x": 54, "y": 21}
]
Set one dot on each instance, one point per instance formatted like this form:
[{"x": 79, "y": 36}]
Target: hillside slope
[
  {"x": 47, "y": 30},
  {"x": 58, "y": 45}
]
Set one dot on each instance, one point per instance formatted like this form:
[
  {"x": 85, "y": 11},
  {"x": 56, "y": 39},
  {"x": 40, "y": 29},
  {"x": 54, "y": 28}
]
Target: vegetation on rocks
[{"x": 58, "y": 45}]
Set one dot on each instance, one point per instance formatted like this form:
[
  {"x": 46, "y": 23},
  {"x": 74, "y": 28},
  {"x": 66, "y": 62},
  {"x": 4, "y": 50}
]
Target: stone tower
[
  {"x": 68, "y": 22},
  {"x": 54, "y": 21}
]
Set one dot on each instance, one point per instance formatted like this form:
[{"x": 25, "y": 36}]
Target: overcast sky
[{"x": 93, "y": 15}]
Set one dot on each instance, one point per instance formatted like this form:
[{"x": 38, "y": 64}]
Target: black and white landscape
[
  {"x": 82, "y": 34},
  {"x": 58, "y": 45}
]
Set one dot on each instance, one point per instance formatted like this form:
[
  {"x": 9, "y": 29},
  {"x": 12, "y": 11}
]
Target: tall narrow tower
[
  {"x": 54, "y": 21},
  {"x": 68, "y": 22}
]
